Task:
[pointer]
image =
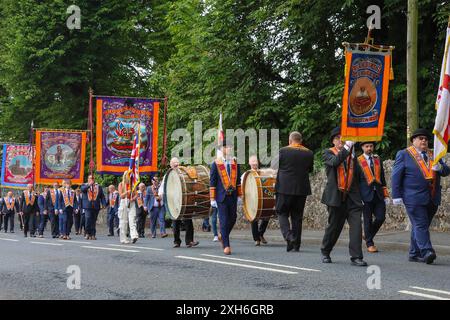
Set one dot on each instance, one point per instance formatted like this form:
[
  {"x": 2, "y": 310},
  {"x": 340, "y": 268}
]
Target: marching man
[
  {"x": 29, "y": 211},
  {"x": 93, "y": 199},
  {"x": 67, "y": 204},
  {"x": 9, "y": 207},
  {"x": 225, "y": 189},
  {"x": 374, "y": 193},
  {"x": 417, "y": 186}
]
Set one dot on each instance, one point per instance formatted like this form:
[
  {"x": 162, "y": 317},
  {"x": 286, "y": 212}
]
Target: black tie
[
  {"x": 425, "y": 156},
  {"x": 371, "y": 164}
]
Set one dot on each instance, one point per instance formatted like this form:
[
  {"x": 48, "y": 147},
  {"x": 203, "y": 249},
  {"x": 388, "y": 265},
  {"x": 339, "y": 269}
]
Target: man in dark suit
[
  {"x": 52, "y": 203},
  {"x": 292, "y": 186},
  {"x": 154, "y": 204},
  {"x": 77, "y": 212},
  {"x": 43, "y": 212},
  {"x": 113, "y": 209},
  {"x": 29, "y": 210},
  {"x": 225, "y": 189},
  {"x": 9, "y": 207},
  {"x": 343, "y": 198},
  {"x": 374, "y": 193},
  {"x": 416, "y": 184},
  {"x": 93, "y": 200}
]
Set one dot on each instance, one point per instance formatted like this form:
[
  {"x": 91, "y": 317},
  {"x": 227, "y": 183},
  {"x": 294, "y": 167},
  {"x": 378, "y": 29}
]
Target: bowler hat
[
  {"x": 335, "y": 132},
  {"x": 366, "y": 142},
  {"x": 420, "y": 132}
]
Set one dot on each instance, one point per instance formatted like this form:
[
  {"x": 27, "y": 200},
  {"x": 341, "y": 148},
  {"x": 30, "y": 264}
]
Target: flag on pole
[
  {"x": 133, "y": 170},
  {"x": 220, "y": 137},
  {"x": 441, "y": 129}
]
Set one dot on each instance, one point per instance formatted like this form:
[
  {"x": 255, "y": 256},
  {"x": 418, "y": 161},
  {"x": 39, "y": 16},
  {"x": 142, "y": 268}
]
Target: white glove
[
  {"x": 348, "y": 145},
  {"x": 239, "y": 200},
  {"x": 397, "y": 202},
  {"x": 387, "y": 201},
  {"x": 60, "y": 211},
  {"x": 214, "y": 203}
]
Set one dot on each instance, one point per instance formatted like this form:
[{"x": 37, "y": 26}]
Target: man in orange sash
[
  {"x": 417, "y": 186},
  {"x": 225, "y": 189},
  {"x": 29, "y": 210},
  {"x": 343, "y": 198},
  {"x": 9, "y": 207},
  {"x": 374, "y": 193},
  {"x": 292, "y": 187}
]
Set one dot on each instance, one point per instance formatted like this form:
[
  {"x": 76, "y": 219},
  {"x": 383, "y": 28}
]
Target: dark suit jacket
[
  {"x": 368, "y": 192},
  {"x": 50, "y": 206},
  {"x": 409, "y": 183},
  {"x": 332, "y": 196},
  {"x": 295, "y": 164},
  {"x": 31, "y": 208},
  {"x": 62, "y": 205},
  {"x": 115, "y": 208},
  {"x": 42, "y": 204},
  {"x": 4, "y": 208},
  {"x": 216, "y": 182},
  {"x": 95, "y": 204}
]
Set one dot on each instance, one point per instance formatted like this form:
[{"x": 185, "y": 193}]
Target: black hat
[
  {"x": 420, "y": 132},
  {"x": 366, "y": 142},
  {"x": 335, "y": 132}
]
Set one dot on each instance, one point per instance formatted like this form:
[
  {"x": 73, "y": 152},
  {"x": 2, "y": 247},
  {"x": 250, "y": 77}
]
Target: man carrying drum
[{"x": 259, "y": 226}]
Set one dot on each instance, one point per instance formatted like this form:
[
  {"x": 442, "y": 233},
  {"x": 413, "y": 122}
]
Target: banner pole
[
  {"x": 164, "y": 156},
  {"x": 91, "y": 133}
]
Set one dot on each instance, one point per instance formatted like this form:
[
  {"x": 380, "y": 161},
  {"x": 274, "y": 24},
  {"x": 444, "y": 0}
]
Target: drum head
[
  {"x": 173, "y": 192},
  {"x": 251, "y": 196}
]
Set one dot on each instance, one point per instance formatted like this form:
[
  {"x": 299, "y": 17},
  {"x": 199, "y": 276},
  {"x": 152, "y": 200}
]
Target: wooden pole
[{"x": 411, "y": 70}]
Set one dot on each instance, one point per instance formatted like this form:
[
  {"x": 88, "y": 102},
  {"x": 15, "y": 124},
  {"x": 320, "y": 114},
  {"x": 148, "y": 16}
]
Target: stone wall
[{"x": 315, "y": 217}]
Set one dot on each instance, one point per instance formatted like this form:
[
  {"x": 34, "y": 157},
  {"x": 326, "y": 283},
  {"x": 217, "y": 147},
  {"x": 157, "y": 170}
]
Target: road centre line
[
  {"x": 110, "y": 249},
  {"x": 136, "y": 247},
  {"x": 265, "y": 263},
  {"x": 236, "y": 264}
]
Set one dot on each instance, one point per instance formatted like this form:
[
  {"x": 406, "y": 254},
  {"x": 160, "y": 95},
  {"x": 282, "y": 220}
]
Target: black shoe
[
  {"x": 429, "y": 258},
  {"x": 12, "y": 231},
  {"x": 359, "y": 262},
  {"x": 110, "y": 235},
  {"x": 297, "y": 248},
  {"x": 415, "y": 259},
  {"x": 326, "y": 258},
  {"x": 176, "y": 245},
  {"x": 192, "y": 244},
  {"x": 135, "y": 239},
  {"x": 290, "y": 245}
]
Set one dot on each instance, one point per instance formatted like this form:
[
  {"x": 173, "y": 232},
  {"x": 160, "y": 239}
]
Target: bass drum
[
  {"x": 186, "y": 192},
  {"x": 259, "y": 194}
]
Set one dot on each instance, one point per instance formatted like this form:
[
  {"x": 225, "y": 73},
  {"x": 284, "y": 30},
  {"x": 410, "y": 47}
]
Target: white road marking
[
  {"x": 47, "y": 243},
  {"x": 265, "y": 263},
  {"x": 8, "y": 239},
  {"x": 73, "y": 241},
  {"x": 131, "y": 246},
  {"x": 422, "y": 295},
  {"x": 431, "y": 290},
  {"x": 237, "y": 264},
  {"x": 110, "y": 249}
]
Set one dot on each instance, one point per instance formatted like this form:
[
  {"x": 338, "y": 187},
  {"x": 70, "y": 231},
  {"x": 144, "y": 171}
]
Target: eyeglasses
[{"x": 423, "y": 138}]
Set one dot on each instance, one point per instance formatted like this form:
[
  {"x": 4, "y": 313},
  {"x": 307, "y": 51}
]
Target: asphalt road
[{"x": 32, "y": 268}]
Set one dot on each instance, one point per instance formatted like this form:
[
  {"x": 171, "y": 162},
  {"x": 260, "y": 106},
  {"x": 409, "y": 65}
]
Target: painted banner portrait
[
  {"x": 17, "y": 166},
  {"x": 118, "y": 120},
  {"x": 365, "y": 95},
  {"x": 60, "y": 155}
]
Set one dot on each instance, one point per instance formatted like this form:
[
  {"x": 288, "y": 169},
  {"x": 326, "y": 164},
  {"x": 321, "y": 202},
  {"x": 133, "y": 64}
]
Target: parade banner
[
  {"x": 367, "y": 76},
  {"x": 60, "y": 155},
  {"x": 118, "y": 120},
  {"x": 17, "y": 166}
]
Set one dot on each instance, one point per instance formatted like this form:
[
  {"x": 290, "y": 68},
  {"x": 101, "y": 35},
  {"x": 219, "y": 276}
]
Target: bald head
[
  {"x": 174, "y": 163},
  {"x": 295, "y": 137},
  {"x": 253, "y": 162}
]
